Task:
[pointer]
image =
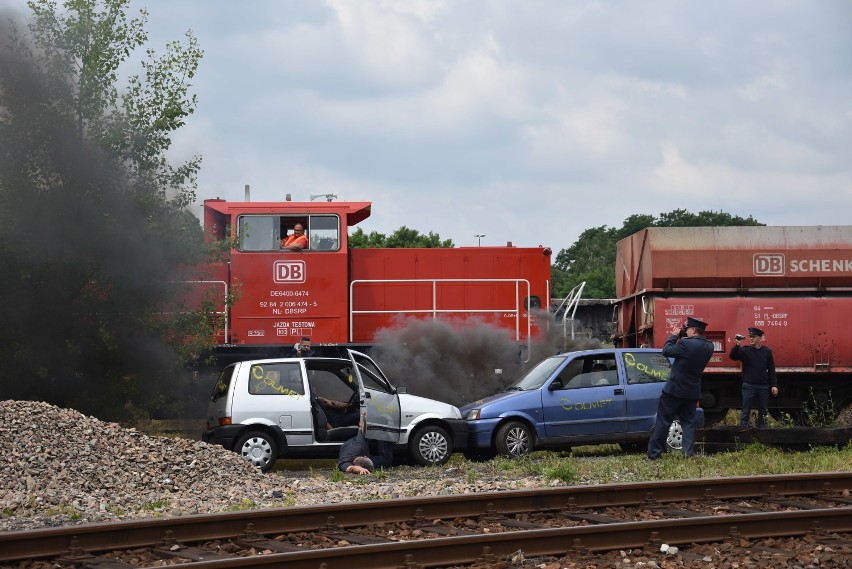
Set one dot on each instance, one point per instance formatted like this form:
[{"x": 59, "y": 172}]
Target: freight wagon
[
  {"x": 269, "y": 297},
  {"x": 794, "y": 283}
]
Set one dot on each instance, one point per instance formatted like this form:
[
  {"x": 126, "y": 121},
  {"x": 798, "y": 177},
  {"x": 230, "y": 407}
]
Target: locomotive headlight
[{"x": 473, "y": 414}]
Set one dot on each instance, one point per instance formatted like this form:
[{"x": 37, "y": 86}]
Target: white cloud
[
  {"x": 527, "y": 121},
  {"x": 757, "y": 89}
]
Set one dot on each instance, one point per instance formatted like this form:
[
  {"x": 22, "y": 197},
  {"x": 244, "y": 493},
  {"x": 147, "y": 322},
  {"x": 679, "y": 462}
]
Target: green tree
[
  {"x": 93, "y": 229},
  {"x": 592, "y": 257},
  {"x": 85, "y": 45},
  {"x": 402, "y": 237}
]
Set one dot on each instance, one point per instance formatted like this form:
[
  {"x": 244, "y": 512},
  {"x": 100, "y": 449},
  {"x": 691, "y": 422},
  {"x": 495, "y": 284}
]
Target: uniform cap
[
  {"x": 695, "y": 323},
  {"x": 755, "y": 332}
]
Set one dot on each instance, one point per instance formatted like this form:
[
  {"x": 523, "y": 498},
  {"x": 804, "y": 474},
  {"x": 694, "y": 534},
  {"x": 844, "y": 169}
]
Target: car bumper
[
  {"x": 459, "y": 429},
  {"x": 222, "y": 436},
  {"x": 480, "y": 432}
]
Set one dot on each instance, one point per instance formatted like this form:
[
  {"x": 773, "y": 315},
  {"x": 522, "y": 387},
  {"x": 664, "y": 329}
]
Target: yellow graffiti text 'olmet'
[
  {"x": 385, "y": 408},
  {"x": 654, "y": 372},
  {"x": 586, "y": 406},
  {"x": 270, "y": 382}
]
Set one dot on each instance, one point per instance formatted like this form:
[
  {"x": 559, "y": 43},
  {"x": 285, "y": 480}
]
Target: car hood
[
  {"x": 505, "y": 395},
  {"x": 413, "y": 406}
]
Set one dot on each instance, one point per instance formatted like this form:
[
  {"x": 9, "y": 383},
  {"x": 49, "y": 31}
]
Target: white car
[{"x": 269, "y": 409}]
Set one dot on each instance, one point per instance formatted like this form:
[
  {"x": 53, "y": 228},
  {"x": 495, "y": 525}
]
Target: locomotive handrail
[
  {"x": 435, "y": 311},
  {"x": 570, "y": 303}
]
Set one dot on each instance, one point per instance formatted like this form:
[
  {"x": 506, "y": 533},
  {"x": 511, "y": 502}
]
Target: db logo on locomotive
[{"x": 288, "y": 271}]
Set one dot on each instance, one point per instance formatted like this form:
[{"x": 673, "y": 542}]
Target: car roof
[{"x": 608, "y": 351}]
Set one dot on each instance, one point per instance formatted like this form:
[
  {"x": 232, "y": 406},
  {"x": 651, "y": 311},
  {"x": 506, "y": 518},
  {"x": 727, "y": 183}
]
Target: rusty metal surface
[{"x": 734, "y": 257}]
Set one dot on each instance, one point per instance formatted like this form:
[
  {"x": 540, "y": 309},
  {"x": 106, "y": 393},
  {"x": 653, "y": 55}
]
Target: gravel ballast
[{"x": 60, "y": 467}]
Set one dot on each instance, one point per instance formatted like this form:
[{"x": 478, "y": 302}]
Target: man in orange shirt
[{"x": 297, "y": 240}]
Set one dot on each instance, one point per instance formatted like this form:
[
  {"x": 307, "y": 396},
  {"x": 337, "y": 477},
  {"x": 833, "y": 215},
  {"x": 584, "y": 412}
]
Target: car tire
[
  {"x": 514, "y": 439},
  {"x": 674, "y": 440},
  {"x": 258, "y": 448},
  {"x": 431, "y": 445}
]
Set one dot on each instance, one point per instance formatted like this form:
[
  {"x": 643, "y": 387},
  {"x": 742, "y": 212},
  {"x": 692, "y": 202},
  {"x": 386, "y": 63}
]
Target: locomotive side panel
[{"x": 488, "y": 284}]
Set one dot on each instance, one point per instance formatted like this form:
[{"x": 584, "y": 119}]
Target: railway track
[{"x": 580, "y": 522}]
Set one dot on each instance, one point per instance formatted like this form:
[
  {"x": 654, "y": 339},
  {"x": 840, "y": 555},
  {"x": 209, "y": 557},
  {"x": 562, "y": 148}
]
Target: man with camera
[
  {"x": 759, "y": 378},
  {"x": 691, "y": 352}
]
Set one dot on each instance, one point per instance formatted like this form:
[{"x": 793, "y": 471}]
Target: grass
[{"x": 607, "y": 464}]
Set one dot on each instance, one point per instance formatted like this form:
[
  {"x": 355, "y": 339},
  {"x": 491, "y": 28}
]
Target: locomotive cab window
[
  {"x": 324, "y": 232},
  {"x": 532, "y": 302},
  {"x": 266, "y": 232}
]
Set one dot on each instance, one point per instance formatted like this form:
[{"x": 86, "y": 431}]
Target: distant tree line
[
  {"x": 592, "y": 257},
  {"x": 402, "y": 237}
]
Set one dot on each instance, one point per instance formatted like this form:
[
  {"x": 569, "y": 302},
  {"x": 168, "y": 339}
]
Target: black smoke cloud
[
  {"x": 460, "y": 363},
  {"x": 86, "y": 259}
]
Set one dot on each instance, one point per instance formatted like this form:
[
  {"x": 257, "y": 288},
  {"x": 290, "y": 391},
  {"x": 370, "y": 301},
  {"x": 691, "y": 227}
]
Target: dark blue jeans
[
  {"x": 668, "y": 409},
  {"x": 755, "y": 396}
]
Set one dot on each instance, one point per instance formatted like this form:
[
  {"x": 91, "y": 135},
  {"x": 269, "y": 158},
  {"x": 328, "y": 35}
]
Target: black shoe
[{"x": 650, "y": 458}]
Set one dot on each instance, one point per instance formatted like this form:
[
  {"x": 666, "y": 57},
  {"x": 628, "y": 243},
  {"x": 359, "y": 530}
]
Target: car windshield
[{"x": 536, "y": 377}]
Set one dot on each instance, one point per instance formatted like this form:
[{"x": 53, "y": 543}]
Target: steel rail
[
  {"x": 581, "y": 540},
  {"x": 140, "y": 533}
]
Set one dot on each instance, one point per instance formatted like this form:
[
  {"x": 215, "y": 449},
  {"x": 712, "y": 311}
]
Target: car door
[
  {"x": 378, "y": 399},
  {"x": 577, "y": 407},
  {"x": 646, "y": 373}
]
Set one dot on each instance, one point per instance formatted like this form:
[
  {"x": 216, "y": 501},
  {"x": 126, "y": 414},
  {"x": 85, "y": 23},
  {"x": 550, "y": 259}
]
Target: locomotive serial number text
[{"x": 289, "y": 293}]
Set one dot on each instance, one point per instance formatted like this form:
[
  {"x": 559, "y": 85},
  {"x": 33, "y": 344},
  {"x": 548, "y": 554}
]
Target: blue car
[{"x": 577, "y": 398}]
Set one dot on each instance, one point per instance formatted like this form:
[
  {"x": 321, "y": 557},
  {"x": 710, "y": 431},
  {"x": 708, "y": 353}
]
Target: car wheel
[
  {"x": 514, "y": 439},
  {"x": 258, "y": 448},
  {"x": 674, "y": 440},
  {"x": 431, "y": 445}
]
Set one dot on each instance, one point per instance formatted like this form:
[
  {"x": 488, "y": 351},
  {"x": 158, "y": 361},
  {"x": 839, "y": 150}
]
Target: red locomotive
[
  {"x": 794, "y": 283},
  {"x": 339, "y": 296}
]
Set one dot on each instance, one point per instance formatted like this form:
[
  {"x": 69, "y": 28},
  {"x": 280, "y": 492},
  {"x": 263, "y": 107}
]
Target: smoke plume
[
  {"x": 87, "y": 253},
  {"x": 460, "y": 363}
]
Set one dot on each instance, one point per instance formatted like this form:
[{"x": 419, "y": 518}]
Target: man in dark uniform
[
  {"x": 691, "y": 352},
  {"x": 355, "y": 455},
  {"x": 758, "y": 376}
]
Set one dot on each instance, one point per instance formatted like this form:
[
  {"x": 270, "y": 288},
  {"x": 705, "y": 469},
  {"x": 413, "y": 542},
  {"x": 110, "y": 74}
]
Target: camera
[{"x": 739, "y": 337}]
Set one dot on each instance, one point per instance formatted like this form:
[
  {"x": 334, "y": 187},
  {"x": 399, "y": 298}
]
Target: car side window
[
  {"x": 570, "y": 373},
  {"x": 223, "y": 382},
  {"x": 276, "y": 379},
  {"x": 646, "y": 367},
  {"x": 590, "y": 371}
]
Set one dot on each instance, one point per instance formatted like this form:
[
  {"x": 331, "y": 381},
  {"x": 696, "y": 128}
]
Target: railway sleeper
[
  {"x": 677, "y": 512},
  {"x": 358, "y": 539},
  {"x": 446, "y": 530},
  {"x": 512, "y": 523},
  {"x": 773, "y": 551},
  {"x": 589, "y": 517},
  {"x": 189, "y": 553},
  {"x": 263, "y": 544},
  {"x": 793, "y": 504},
  {"x": 93, "y": 562}
]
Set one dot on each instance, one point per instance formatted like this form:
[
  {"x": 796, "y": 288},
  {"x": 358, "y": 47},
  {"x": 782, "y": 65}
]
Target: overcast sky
[{"x": 526, "y": 121}]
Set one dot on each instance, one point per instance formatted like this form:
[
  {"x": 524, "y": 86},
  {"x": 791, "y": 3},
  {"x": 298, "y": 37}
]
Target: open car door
[{"x": 378, "y": 399}]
